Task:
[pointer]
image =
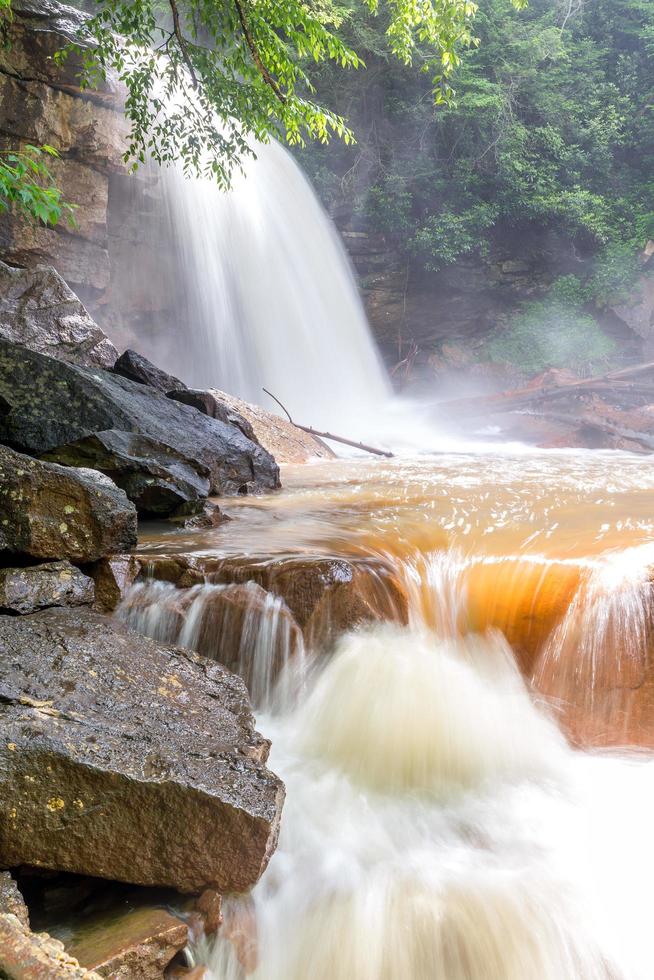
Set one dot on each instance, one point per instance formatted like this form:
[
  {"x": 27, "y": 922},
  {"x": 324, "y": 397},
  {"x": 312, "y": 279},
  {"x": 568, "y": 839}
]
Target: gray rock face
[
  {"x": 39, "y": 311},
  {"x": 133, "y": 365},
  {"x": 211, "y": 403},
  {"x": 125, "y": 759},
  {"x": 48, "y": 404},
  {"x": 40, "y": 28},
  {"x": 156, "y": 479},
  {"x": 285, "y": 441},
  {"x": 26, "y": 590},
  {"x": 54, "y": 512}
]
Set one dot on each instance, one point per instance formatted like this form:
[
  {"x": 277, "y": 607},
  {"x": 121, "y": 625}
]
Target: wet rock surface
[
  {"x": 48, "y": 404},
  {"x": 112, "y": 576},
  {"x": 135, "y": 366},
  {"x": 125, "y": 759},
  {"x": 26, "y": 955},
  {"x": 242, "y": 626},
  {"x": 54, "y": 512},
  {"x": 117, "y": 931},
  {"x": 210, "y": 516},
  {"x": 39, "y": 311},
  {"x": 212, "y": 403},
  {"x": 156, "y": 478},
  {"x": 136, "y": 944},
  {"x": 11, "y": 900},
  {"x": 324, "y": 595},
  {"x": 26, "y": 590}
]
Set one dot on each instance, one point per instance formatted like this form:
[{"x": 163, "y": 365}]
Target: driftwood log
[
  {"x": 330, "y": 435},
  {"x": 625, "y": 381}
]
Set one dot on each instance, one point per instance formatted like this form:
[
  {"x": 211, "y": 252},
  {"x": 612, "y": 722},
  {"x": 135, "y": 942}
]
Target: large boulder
[
  {"x": 57, "y": 583},
  {"x": 156, "y": 478},
  {"x": 133, "y": 365},
  {"x": 55, "y": 512},
  {"x": 48, "y": 404},
  {"x": 128, "y": 760},
  {"x": 210, "y": 403},
  {"x": 285, "y": 441},
  {"x": 39, "y": 311}
]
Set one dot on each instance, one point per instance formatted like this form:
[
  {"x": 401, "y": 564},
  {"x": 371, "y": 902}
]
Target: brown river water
[{"x": 469, "y": 786}]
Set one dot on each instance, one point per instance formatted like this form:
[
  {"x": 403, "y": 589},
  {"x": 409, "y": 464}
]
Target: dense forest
[{"x": 551, "y": 131}]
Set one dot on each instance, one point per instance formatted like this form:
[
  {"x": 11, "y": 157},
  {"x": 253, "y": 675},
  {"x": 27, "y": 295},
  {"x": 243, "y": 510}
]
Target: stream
[{"x": 468, "y": 791}]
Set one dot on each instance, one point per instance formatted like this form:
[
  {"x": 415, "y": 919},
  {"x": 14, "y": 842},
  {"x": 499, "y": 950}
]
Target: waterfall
[
  {"x": 269, "y": 296},
  {"x": 242, "y": 626}
]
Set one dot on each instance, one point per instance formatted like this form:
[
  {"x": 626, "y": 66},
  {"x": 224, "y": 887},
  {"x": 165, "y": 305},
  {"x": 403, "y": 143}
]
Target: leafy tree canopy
[
  {"x": 552, "y": 127},
  {"x": 26, "y": 182},
  {"x": 206, "y": 76}
]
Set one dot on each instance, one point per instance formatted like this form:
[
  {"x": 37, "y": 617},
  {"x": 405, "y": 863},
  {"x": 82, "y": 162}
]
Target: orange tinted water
[
  {"x": 436, "y": 823},
  {"x": 531, "y": 544}
]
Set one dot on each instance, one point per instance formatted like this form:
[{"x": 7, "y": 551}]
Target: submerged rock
[
  {"x": 26, "y": 590},
  {"x": 128, "y": 943},
  {"x": 135, "y": 366},
  {"x": 125, "y": 759},
  {"x": 48, "y": 404},
  {"x": 50, "y": 512},
  {"x": 210, "y": 516},
  {"x": 156, "y": 478},
  {"x": 40, "y": 311},
  {"x": 325, "y": 596}
]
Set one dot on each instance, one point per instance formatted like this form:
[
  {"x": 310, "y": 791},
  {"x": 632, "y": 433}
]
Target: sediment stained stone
[
  {"x": 58, "y": 583},
  {"x": 129, "y": 760},
  {"x": 325, "y": 596},
  {"x": 57, "y": 512}
]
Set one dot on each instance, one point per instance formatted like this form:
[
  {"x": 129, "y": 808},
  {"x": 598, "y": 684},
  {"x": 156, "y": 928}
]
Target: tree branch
[
  {"x": 256, "y": 57},
  {"x": 330, "y": 435},
  {"x": 177, "y": 30}
]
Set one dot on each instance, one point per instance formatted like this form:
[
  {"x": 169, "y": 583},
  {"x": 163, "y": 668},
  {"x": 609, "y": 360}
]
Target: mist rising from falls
[{"x": 269, "y": 295}]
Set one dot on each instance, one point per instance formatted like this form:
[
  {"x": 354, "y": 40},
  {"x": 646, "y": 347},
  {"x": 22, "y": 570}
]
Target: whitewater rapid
[{"x": 438, "y": 826}]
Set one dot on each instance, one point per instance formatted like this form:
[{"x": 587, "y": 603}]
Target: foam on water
[{"x": 461, "y": 839}]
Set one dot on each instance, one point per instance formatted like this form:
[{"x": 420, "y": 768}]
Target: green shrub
[{"x": 552, "y": 334}]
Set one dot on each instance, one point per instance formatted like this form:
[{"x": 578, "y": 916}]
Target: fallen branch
[
  {"x": 645, "y": 441},
  {"x": 508, "y": 401},
  {"x": 330, "y": 435}
]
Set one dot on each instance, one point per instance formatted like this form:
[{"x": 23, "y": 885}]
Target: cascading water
[
  {"x": 247, "y": 629},
  {"x": 437, "y": 824},
  {"x": 270, "y": 298}
]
